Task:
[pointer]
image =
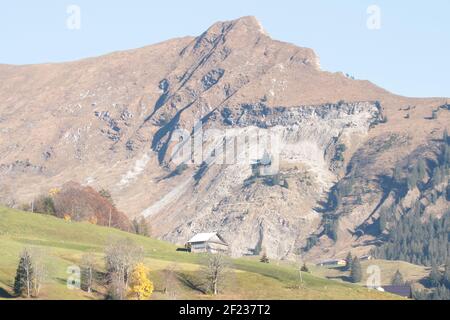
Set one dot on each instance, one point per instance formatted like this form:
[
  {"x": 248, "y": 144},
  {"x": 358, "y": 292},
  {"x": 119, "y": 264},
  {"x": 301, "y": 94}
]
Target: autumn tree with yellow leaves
[{"x": 141, "y": 288}]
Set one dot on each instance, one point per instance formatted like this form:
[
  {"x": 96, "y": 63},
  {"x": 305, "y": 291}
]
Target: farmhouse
[
  {"x": 207, "y": 242},
  {"x": 333, "y": 263}
]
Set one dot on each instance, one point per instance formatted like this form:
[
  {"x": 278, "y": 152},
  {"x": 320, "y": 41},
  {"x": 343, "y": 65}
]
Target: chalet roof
[
  {"x": 204, "y": 237},
  {"x": 332, "y": 261}
]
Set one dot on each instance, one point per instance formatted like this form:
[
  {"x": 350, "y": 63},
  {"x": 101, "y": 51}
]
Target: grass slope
[
  {"x": 65, "y": 242},
  {"x": 411, "y": 273}
]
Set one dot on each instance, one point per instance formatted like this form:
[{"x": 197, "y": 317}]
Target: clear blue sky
[{"x": 409, "y": 55}]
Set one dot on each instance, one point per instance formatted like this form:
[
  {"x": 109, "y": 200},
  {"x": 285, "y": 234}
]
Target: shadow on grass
[
  {"x": 191, "y": 282},
  {"x": 99, "y": 288},
  {"x": 5, "y": 294},
  {"x": 343, "y": 278}
]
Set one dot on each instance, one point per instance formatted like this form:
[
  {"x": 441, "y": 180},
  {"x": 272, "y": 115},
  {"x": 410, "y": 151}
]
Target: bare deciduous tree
[
  {"x": 40, "y": 270},
  {"x": 170, "y": 282},
  {"x": 121, "y": 257},
  {"x": 215, "y": 272},
  {"x": 88, "y": 273},
  {"x": 299, "y": 279}
]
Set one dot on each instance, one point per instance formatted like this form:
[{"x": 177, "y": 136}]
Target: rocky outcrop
[{"x": 254, "y": 212}]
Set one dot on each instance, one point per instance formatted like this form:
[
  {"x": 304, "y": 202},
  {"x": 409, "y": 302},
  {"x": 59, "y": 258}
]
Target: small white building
[
  {"x": 207, "y": 243},
  {"x": 366, "y": 257},
  {"x": 333, "y": 263}
]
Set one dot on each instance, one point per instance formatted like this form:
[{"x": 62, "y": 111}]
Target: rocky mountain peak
[
  {"x": 248, "y": 25},
  {"x": 236, "y": 33}
]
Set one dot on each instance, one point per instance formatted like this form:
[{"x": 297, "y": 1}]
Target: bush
[
  {"x": 45, "y": 205},
  {"x": 107, "y": 195},
  {"x": 304, "y": 268},
  {"x": 397, "y": 279},
  {"x": 264, "y": 258},
  {"x": 141, "y": 227}
]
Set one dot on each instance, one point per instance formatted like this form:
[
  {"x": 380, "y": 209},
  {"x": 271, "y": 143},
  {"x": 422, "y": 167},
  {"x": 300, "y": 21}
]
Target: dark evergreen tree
[
  {"x": 421, "y": 169},
  {"x": 107, "y": 195},
  {"x": 264, "y": 258},
  {"x": 446, "y": 277},
  {"x": 440, "y": 293},
  {"x": 349, "y": 261},
  {"x": 141, "y": 227},
  {"x": 435, "y": 276},
  {"x": 23, "y": 282},
  {"x": 397, "y": 176},
  {"x": 304, "y": 268},
  {"x": 331, "y": 226},
  {"x": 356, "y": 271},
  {"x": 382, "y": 222},
  {"x": 397, "y": 279},
  {"x": 413, "y": 177},
  {"x": 417, "y": 241},
  {"x": 437, "y": 177}
]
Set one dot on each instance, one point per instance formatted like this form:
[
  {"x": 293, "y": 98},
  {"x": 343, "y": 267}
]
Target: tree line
[{"x": 74, "y": 202}]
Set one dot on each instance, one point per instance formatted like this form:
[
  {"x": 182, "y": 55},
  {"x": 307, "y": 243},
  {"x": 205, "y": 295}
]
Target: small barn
[
  {"x": 333, "y": 263},
  {"x": 207, "y": 243}
]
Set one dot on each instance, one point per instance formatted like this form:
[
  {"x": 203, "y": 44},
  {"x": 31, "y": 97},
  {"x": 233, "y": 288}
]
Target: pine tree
[
  {"x": 421, "y": 169},
  {"x": 435, "y": 276},
  {"x": 413, "y": 178},
  {"x": 141, "y": 227},
  {"x": 349, "y": 260},
  {"x": 437, "y": 176},
  {"x": 446, "y": 156},
  {"x": 264, "y": 258},
  {"x": 23, "y": 283},
  {"x": 107, "y": 195},
  {"x": 446, "y": 278},
  {"x": 397, "y": 279},
  {"x": 141, "y": 288},
  {"x": 397, "y": 176},
  {"x": 356, "y": 271},
  {"x": 304, "y": 268}
]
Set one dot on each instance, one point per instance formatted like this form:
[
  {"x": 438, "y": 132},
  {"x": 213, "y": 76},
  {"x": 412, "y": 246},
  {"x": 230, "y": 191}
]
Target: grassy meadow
[{"x": 64, "y": 243}]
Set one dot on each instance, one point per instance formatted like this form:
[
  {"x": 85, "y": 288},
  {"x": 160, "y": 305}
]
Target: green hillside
[{"x": 64, "y": 243}]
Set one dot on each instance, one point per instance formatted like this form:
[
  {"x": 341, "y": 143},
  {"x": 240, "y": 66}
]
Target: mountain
[{"x": 114, "y": 122}]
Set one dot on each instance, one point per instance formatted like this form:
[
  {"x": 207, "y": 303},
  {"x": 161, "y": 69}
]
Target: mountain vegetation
[
  {"x": 414, "y": 236},
  {"x": 109, "y": 259}
]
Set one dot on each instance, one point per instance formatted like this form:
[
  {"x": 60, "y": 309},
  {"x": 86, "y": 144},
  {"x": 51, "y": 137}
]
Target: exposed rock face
[
  {"x": 114, "y": 122},
  {"x": 250, "y": 212}
]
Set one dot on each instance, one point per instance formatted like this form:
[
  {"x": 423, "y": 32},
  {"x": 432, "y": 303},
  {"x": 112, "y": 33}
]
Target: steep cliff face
[
  {"x": 272, "y": 209},
  {"x": 272, "y": 135}
]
